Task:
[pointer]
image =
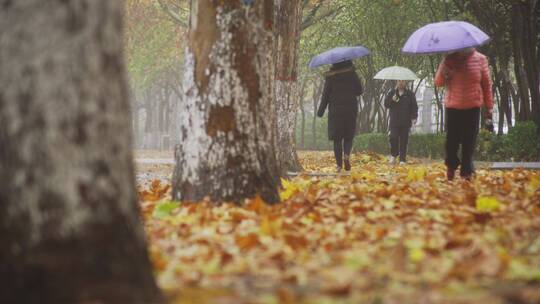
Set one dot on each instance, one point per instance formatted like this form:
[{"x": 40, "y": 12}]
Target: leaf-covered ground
[{"x": 383, "y": 234}]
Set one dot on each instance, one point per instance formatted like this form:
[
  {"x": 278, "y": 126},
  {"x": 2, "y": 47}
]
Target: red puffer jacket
[{"x": 468, "y": 84}]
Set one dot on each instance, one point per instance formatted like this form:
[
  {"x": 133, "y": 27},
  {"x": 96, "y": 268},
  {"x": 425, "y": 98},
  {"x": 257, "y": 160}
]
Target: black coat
[
  {"x": 341, "y": 88},
  {"x": 402, "y": 111}
]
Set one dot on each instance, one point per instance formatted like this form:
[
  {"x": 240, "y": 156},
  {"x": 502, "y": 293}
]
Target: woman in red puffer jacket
[{"x": 465, "y": 75}]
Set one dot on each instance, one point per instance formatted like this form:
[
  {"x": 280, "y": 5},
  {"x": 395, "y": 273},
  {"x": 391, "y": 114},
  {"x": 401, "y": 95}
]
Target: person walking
[
  {"x": 403, "y": 115},
  {"x": 465, "y": 75},
  {"x": 341, "y": 88}
]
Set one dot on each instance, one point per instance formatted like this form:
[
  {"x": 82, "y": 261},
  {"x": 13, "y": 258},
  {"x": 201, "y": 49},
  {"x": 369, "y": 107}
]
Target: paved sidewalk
[{"x": 155, "y": 161}]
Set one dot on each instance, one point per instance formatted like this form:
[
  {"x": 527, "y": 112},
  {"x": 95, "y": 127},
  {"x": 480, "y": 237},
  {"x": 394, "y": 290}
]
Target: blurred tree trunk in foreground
[{"x": 69, "y": 224}]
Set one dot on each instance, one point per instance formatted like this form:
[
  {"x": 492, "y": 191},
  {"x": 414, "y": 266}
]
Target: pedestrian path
[
  {"x": 155, "y": 161},
  {"x": 515, "y": 165}
]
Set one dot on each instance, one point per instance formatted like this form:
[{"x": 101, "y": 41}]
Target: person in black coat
[
  {"x": 403, "y": 114},
  {"x": 341, "y": 89}
]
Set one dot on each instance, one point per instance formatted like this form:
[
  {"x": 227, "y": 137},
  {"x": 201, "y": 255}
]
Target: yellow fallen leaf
[
  {"x": 388, "y": 204},
  {"x": 357, "y": 260},
  {"x": 416, "y": 255},
  {"x": 289, "y": 189},
  {"x": 271, "y": 227},
  {"x": 533, "y": 186},
  {"x": 520, "y": 271},
  {"x": 211, "y": 267},
  {"x": 416, "y": 174},
  {"x": 487, "y": 204},
  {"x": 363, "y": 175}
]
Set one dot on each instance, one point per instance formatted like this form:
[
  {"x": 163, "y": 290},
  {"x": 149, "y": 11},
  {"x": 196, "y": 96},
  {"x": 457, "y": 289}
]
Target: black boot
[
  {"x": 339, "y": 165},
  {"x": 347, "y": 162}
]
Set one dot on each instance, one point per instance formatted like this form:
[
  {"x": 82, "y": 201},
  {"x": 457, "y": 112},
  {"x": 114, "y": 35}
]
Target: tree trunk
[
  {"x": 438, "y": 100},
  {"x": 316, "y": 98},
  {"x": 69, "y": 222},
  {"x": 529, "y": 46},
  {"x": 499, "y": 93},
  {"x": 227, "y": 151},
  {"x": 135, "y": 118},
  {"x": 303, "y": 116},
  {"x": 523, "y": 88},
  {"x": 287, "y": 39},
  {"x": 369, "y": 97},
  {"x": 385, "y": 113},
  {"x": 515, "y": 99},
  {"x": 149, "y": 123},
  {"x": 505, "y": 94}
]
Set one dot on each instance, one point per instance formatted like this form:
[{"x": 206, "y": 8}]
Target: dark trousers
[
  {"x": 462, "y": 128},
  {"x": 342, "y": 146},
  {"x": 399, "y": 139}
]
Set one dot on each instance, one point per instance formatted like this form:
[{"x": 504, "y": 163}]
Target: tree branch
[
  {"x": 311, "y": 13},
  {"x": 309, "y": 21}
]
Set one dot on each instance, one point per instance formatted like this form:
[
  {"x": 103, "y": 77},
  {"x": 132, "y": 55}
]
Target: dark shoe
[
  {"x": 347, "y": 163},
  {"x": 339, "y": 163},
  {"x": 467, "y": 177},
  {"x": 450, "y": 174}
]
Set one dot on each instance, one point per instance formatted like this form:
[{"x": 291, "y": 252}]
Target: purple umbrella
[
  {"x": 444, "y": 37},
  {"x": 338, "y": 54}
]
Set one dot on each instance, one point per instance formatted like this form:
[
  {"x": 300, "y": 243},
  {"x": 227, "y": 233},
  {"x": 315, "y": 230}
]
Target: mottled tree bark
[
  {"x": 287, "y": 39},
  {"x": 226, "y": 147},
  {"x": 69, "y": 226}
]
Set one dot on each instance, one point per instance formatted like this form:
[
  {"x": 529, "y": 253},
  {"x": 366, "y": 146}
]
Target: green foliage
[
  {"x": 420, "y": 145},
  {"x": 522, "y": 143},
  {"x": 491, "y": 147},
  {"x": 376, "y": 142},
  {"x": 153, "y": 42},
  {"x": 383, "y": 27},
  {"x": 320, "y": 140}
]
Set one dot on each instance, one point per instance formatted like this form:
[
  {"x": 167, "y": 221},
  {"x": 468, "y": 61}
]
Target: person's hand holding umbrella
[
  {"x": 395, "y": 98},
  {"x": 447, "y": 72}
]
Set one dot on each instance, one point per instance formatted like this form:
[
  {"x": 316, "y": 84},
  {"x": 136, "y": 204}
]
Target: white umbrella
[{"x": 396, "y": 73}]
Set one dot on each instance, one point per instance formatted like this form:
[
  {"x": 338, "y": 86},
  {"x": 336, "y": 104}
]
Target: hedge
[{"x": 522, "y": 143}]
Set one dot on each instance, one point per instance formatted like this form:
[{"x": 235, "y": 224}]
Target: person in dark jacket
[
  {"x": 341, "y": 89},
  {"x": 403, "y": 114}
]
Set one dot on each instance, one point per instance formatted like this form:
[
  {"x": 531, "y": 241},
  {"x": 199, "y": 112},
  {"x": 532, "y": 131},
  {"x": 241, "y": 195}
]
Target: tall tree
[
  {"x": 291, "y": 18},
  {"x": 527, "y": 14},
  {"x": 288, "y": 22},
  {"x": 227, "y": 150},
  {"x": 69, "y": 224}
]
